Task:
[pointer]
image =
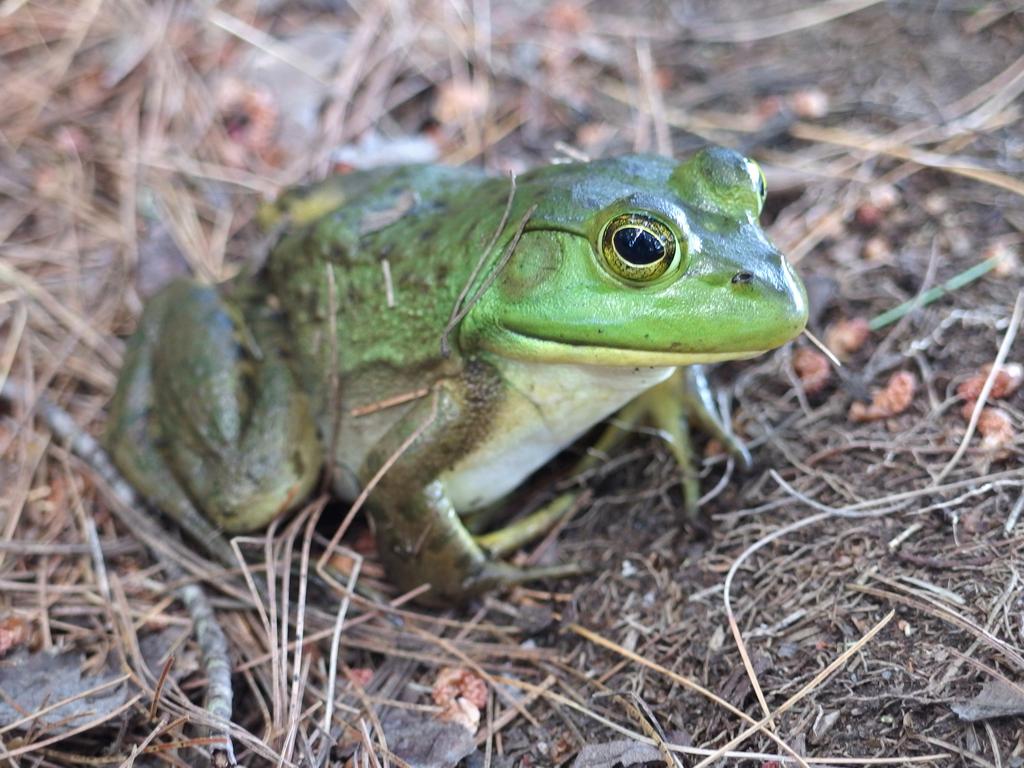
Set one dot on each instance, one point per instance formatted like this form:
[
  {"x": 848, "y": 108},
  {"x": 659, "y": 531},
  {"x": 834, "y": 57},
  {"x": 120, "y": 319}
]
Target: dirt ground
[{"x": 860, "y": 589}]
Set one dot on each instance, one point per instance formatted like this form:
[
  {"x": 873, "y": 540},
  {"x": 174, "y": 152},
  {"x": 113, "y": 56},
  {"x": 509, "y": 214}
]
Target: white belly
[{"x": 548, "y": 406}]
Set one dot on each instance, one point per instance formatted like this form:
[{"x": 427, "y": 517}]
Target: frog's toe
[
  {"x": 671, "y": 407},
  {"x": 496, "y": 574},
  {"x": 520, "y": 532}
]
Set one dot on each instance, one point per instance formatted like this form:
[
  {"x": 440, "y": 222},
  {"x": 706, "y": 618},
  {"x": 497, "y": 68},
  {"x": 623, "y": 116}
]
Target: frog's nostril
[{"x": 743, "y": 278}]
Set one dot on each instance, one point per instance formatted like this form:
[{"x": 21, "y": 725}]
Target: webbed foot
[{"x": 671, "y": 407}]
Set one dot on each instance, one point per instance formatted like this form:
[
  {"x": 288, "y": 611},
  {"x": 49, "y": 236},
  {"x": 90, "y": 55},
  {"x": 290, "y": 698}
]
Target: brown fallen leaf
[
  {"x": 996, "y": 429},
  {"x": 14, "y": 631},
  {"x": 812, "y": 368},
  {"x": 463, "y": 694},
  {"x": 847, "y": 336},
  {"x": 455, "y": 682},
  {"x": 1007, "y": 381},
  {"x": 995, "y": 699},
  {"x": 894, "y": 399}
]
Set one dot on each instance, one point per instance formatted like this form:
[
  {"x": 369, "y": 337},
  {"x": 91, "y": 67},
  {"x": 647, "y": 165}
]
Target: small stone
[
  {"x": 877, "y": 249},
  {"x": 811, "y": 103}
]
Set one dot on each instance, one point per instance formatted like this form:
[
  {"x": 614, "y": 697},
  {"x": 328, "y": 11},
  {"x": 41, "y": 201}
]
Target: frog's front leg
[
  {"x": 683, "y": 399},
  {"x": 420, "y": 536},
  {"x": 671, "y": 407},
  {"x": 207, "y": 418}
]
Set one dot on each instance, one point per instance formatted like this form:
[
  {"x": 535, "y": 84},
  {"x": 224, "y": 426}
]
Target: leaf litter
[{"x": 887, "y": 132}]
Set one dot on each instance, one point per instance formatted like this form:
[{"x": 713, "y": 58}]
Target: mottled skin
[{"x": 231, "y": 397}]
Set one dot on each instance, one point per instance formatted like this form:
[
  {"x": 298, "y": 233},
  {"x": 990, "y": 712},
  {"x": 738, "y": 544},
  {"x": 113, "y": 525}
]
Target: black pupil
[{"x": 638, "y": 246}]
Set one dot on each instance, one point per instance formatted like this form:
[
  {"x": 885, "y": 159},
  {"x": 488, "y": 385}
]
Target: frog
[{"x": 428, "y": 336}]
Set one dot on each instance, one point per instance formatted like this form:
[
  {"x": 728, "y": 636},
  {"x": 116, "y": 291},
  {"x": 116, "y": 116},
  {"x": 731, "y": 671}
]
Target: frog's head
[{"x": 638, "y": 260}]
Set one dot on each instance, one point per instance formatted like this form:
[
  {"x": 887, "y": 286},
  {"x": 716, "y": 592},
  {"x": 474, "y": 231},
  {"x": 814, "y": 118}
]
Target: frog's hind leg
[
  {"x": 207, "y": 419},
  {"x": 132, "y": 436}
]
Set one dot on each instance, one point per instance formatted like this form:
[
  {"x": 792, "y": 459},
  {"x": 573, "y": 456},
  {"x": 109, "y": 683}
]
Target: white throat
[{"x": 547, "y": 407}]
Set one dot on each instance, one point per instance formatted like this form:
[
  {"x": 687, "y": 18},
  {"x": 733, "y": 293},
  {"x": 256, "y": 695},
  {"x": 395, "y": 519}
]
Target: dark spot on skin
[
  {"x": 743, "y": 278},
  {"x": 428, "y": 233}
]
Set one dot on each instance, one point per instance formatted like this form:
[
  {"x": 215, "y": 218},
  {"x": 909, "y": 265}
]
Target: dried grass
[{"x": 123, "y": 164}]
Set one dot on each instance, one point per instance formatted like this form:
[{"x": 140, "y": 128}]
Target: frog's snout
[{"x": 771, "y": 292}]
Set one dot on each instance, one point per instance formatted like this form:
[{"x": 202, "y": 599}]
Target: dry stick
[
  {"x": 642, "y": 715},
  {"x": 455, "y": 317},
  {"x": 159, "y": 689},
  {"x": 78, "y": 325},
  {"x": 1004, "y": 350},
  {"x": 826, "y": 513},
  {"x": 748, "y": 31},
  {"x": 877, "y": 144},
  {"x": 685, "y": 682},
  {"x": 949, "y": 616},
  {"x": 339, "y": 622},
  {"x": 489, "y": 746},
  {"x": 334, "y": 396},
  {"x": 981, "y": 666},
  {"x": 371, "y": 714},
  {"x": 389, "y": 402},
  {"x": 477, "y": 668},
  {"x": 288, "y": 546},
  {"x": 817, "y": 680},
  {"x": 824, "y": 349},
  {"x": 209, "y": 635},
  {"x": 997, "y": 607},
  {"x": 653, "y": 95},
  {"x": 143, "y": 746},
  {"x": 510, "y": 714},
  {"x": 14, "y": 335},
  {"x": 313, "y": 517},
  {"x": 260, "y": 40},
  {"x": 965, "y": 754},
  {"x": 733, "y": 625},
  {"x": 1014, "y": 515},
  {"x": 277, "y": 664},
  {"x": 364, "y": 494},
  {"x": 566, "y": 702},
  {"x": 261, "y": 610}
]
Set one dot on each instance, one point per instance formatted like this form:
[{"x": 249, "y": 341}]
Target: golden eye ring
[{"x": 638, "y": 247}]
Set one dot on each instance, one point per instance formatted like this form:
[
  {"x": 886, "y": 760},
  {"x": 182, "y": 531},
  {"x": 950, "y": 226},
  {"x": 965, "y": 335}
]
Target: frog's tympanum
[{"x": 457, "y": 332}]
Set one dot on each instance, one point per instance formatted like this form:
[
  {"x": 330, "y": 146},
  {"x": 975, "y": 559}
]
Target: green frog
[{"x": 437, "y": 334}]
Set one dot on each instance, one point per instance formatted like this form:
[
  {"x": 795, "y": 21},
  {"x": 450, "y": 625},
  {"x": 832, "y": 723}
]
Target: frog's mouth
[{"x": 524, "y": 346}]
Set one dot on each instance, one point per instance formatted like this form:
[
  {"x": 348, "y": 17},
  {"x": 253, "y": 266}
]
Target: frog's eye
[
  {"x": 637, "y": 247},
  {"x": 762, "y": 185}
]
